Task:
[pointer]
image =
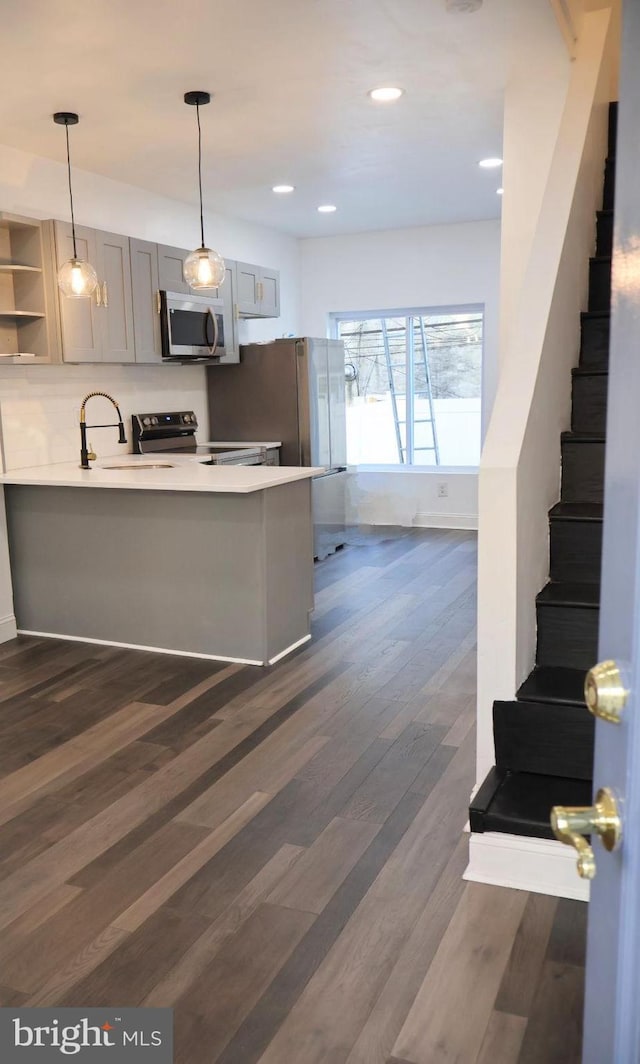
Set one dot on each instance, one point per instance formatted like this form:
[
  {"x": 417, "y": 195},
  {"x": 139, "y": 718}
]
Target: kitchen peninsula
[{"x": 174, "y": 556}]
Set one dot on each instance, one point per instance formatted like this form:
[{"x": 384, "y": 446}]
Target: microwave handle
[{"x": 214, "y": 321}]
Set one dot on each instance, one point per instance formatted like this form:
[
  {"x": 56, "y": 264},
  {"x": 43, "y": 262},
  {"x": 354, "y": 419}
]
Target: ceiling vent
[{"x": 463, "y": 5}]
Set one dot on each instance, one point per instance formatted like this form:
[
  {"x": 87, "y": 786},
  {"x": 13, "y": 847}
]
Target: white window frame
[{"x": 333, "y": 333}]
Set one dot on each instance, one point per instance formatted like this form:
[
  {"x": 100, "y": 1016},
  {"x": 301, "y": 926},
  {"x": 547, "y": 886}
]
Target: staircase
[{"x": 544, "y": 739}]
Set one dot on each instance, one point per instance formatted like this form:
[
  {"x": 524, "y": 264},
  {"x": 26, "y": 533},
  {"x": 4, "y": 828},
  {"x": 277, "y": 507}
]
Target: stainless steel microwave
[{"x": 196, "y": 328}]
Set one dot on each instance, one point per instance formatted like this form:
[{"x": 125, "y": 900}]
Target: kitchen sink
[{"x": 140, "y": 465}]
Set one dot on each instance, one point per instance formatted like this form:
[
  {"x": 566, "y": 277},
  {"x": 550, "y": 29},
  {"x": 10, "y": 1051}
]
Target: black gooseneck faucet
[{"x": 85, "y": 454}]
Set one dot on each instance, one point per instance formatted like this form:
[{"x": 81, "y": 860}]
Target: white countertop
[{"x": 184, "y": 474}]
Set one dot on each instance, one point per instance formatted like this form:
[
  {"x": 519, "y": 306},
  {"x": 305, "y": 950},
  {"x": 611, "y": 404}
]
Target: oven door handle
[{"x": 214, "y": 320}]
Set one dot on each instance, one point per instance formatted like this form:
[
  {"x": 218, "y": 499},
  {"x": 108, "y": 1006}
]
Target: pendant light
[
  {"x": 203, "y": 268},
  {"x": 77, "y": 279}
]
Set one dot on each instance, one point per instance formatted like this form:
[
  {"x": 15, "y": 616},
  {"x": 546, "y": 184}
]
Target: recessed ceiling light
[
  {"x": 327, "y": 208},
  {"x": 500, "y": 191},
  {"x": 281, "y": 189},
  {"x": 386, "y": 94},
  {"x": 491, "y": 163}
]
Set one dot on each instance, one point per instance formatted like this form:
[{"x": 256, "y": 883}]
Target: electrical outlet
[{"x": 443, "y": 491}]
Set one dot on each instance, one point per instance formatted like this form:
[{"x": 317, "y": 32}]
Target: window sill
[{"x": 419, "y": 470}]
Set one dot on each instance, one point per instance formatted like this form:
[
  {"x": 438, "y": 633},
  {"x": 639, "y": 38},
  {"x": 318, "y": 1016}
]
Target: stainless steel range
[{"x": 175, "y": 433}]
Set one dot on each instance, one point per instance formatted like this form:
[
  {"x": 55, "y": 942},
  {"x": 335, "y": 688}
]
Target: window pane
[
  {"x": 444, "y": 406},
  {"x": 375, "y": 357},
  {"x": 447, "y": 389}
]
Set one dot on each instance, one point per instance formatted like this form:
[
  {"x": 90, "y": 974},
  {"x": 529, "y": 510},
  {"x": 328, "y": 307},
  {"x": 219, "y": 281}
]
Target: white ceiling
[{"x": 290, "y": 79}]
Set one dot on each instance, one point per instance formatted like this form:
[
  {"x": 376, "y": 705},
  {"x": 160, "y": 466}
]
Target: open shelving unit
[{"x": 24, "y": 335}]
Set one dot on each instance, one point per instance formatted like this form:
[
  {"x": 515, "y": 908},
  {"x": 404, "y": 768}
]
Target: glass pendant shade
[
  {"x": 77, "y": 279},
  {"x": 204, "y": 268}
]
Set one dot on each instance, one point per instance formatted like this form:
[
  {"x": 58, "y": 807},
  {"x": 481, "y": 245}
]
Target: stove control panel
[
  {"x": 168, "y": 421},
  {"x": 163, "y": 426}
]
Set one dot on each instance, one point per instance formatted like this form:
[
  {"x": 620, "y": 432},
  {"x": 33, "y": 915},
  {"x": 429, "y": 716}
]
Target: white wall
[
  {"x": 533, "y": 106},
  {"x": 410, "y": 497},
  {"x": 426, "y": 266}
]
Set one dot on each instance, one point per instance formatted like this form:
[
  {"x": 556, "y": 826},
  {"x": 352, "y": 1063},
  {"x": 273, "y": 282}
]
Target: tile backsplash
[{"x": 40, "y": 405}]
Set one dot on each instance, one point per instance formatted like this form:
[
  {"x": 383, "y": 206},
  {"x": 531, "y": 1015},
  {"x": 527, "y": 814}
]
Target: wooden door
[{"x": 611, "y": 1026}]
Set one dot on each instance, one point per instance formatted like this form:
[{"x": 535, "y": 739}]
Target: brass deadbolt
[{"x": 605, "y": 692}]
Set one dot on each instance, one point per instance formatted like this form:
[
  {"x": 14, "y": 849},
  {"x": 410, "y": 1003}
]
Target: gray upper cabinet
[
  {"x": 257, "y": 291},
  {"x": 227, "y": 292},
  {"x": 80, "y": 325},
  {"x": 247, "y": 288},
  {"x": 98, "y": 329},
  {"x": 116, "y": 312},
  {"x": 145, "y": 284},
  {"x": 121, "y": 321},
  {"x": 170, "y": 262},
  {"x": 270, "y": 293}
]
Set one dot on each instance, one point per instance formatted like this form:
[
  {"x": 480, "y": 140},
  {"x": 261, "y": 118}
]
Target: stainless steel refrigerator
[{"x": 291, "y": 390}]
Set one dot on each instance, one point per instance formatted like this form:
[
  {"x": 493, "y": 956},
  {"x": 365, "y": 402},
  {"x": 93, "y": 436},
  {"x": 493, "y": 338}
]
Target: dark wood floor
[{"x": 278, "y": 853}]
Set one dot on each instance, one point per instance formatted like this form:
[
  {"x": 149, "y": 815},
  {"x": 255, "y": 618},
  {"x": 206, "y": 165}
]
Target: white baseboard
[
  {"x": 289, "y": 650},
  {"x": 8, "y": 628},
  {"x": 425, "y": 520},
  {"x": 539, "y": 865},
  {"x": 151, "y": 650}
]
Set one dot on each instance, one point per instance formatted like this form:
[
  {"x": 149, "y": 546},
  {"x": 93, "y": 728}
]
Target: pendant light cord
[
  {"x": 73, "y": 221},
  {"x": 200, "y": 173}
]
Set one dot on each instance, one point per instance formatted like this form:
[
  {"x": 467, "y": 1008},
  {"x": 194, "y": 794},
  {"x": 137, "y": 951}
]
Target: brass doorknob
[
  {"x": 571, "y": 824},
  {"x": 605, "y": 691}
]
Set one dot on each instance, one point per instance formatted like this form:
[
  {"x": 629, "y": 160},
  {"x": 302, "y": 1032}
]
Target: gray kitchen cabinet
[
  {"x": 247, "y": 288},
  {"x": 28, "y": 297},
  {"x": 121, "y": 323},
  {"x": 116, "y": 312},
  {"x": 170, "y": 261},
  {"x": 270, "y": 293},
  {"x": 100, "y": 328},
  {"x": 145, "y": 286},
  {"x": 227, "y": 293},
  {"x": 80, "y": 324},
  {"x": 257, "y": 291}
]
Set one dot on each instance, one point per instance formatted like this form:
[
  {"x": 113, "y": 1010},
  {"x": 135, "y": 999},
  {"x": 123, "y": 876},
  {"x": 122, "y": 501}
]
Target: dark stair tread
[
  {"x": 561, "y": 594},
  {"x": 582, "y": 437},
  {"x": 519, "y": 803},
  {"x": 601, "y": 258},
  {"x": 587, "y": 371},
  {"x": 595, "y": 314},
  {"x": 607, "y": 212},
  {"x": 577, "y": 511},
  {"x": 553, "y": 684}
]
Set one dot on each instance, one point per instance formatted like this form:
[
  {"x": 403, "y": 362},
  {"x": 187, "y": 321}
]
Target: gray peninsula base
[{"x": 228, "y": 576}]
